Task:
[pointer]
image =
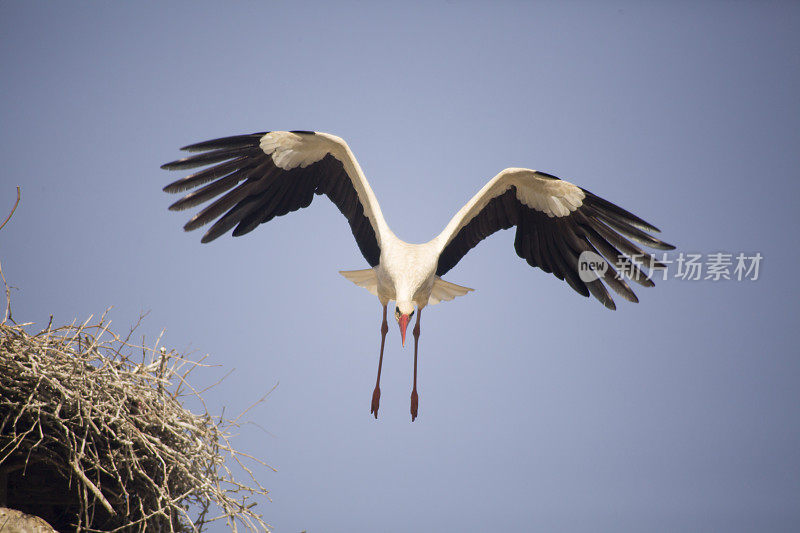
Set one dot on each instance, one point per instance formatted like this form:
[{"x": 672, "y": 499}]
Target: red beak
[{"x": 403, "y": 326}]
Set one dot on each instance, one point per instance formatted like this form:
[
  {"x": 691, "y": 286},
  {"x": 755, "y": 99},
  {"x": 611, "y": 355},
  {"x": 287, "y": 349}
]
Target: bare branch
[
  {"x": 7, "y": 313},
  {"x": 12, "y": 209}
]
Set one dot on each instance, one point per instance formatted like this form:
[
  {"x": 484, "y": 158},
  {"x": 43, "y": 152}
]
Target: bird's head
[{"x": 403, "y": 313}]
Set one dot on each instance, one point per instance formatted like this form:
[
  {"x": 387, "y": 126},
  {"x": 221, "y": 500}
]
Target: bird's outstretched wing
[
  {"x": 257, "y": 177},
  {"x": 556, "y": 222}
]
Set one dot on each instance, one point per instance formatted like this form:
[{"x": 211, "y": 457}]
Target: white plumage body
[{"x": 406, "y": 272}]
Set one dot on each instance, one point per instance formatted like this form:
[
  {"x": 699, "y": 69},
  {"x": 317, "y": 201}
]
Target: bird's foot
[
  {"x": 376, "y": 400},
  {"x": 414, "y": 404}
]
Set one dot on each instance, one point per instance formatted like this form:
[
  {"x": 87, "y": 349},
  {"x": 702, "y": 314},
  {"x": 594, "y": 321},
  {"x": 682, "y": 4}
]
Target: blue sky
[{"x": 539, "y": 409}]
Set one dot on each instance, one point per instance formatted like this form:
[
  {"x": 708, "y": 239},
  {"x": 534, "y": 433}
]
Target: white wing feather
[
  {"x": 290, "y": 150},
  {"x": 554, "y": 197}
]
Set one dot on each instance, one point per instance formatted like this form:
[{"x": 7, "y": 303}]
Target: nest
[{"x": 76, "y": 409}]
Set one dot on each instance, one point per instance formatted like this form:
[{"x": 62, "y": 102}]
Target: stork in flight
[{"x": 257, "y": 177}]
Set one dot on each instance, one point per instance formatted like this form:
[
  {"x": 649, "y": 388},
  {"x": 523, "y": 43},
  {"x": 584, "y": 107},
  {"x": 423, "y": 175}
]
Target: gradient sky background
[{"x": 539, "y": 409}]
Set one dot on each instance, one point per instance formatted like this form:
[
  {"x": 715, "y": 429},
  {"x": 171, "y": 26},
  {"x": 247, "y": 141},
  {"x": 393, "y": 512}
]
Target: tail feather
[
  {"x": 363, "y": 278},
  {"x": 444, "y": 291}
]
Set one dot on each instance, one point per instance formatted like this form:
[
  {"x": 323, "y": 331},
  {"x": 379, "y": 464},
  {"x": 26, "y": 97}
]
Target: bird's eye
[
  {"x": 411, "y": 315},
  {"x": 397, "y": 312}
]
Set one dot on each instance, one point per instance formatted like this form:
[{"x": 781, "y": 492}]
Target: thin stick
[
  {"x": 12, "y": 209},
  {"x": 7, "y": 314},
  {"x": 92, "y": 487}
]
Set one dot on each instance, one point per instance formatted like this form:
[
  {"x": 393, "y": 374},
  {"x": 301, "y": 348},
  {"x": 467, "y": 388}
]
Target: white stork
[{"x": 268, "y": 174}]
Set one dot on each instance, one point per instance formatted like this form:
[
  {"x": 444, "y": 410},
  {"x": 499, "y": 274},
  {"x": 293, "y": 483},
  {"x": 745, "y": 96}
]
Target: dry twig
[
  {"x": 12, "y": 209},
  {"x": 7, "y": 314}
]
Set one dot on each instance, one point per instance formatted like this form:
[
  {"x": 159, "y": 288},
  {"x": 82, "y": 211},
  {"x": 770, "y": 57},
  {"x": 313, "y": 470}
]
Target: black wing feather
[
  {"x": 237, "y": 141},
  {"x": 208, "y": 158},
  {"x": 250, "y": 189},
  {"x": 209, "y": 191},
  {"x": 554, "y": 244}
]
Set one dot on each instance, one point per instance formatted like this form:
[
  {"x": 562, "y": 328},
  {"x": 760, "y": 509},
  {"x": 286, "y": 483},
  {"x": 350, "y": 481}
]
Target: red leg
[
  {"x": 376, "y": 394},
  {"x": 414, "y": 396}
]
